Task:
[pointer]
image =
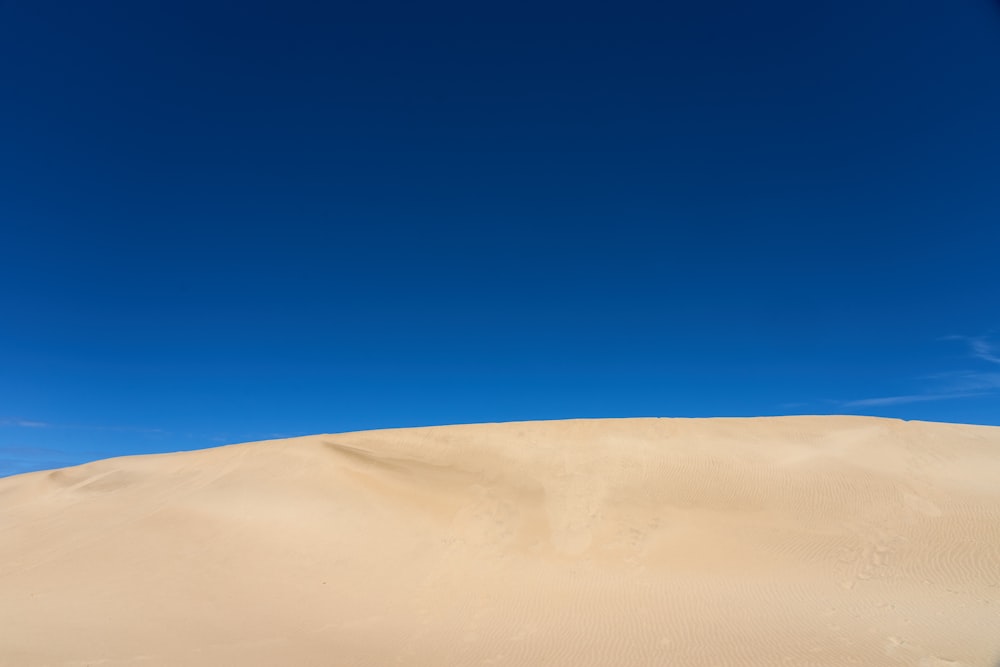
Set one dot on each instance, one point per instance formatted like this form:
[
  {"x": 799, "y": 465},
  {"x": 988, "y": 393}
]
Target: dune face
[{"x": 803, "y": 541}]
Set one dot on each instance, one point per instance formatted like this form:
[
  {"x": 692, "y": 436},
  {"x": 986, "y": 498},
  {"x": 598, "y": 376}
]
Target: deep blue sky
[{"x": 232, "y": 221}]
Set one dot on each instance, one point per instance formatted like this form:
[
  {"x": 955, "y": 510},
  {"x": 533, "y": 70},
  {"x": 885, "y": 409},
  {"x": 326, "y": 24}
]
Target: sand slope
[{"x": 824, "y": 541}]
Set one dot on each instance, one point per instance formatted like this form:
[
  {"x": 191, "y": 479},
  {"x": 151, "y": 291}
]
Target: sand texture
[{"x": 803, "y": 541}]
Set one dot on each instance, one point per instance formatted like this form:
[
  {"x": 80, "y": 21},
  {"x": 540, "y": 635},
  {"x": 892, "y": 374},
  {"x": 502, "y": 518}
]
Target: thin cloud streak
[
  {"x": 910, "y": 398},
  {"x": 24, "y": 423},
  {"x": 952, "y": 384},
  {"x": 981, "y": 347},
  {"x": 961, "y": 381},
  {"x": 984, "y": 350},
  {"x": 30, "y": 423}
]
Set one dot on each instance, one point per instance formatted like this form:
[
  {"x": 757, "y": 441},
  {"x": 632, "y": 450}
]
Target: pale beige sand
[{"x": 803, "y": 541}]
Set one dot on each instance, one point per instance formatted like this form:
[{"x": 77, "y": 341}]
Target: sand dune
[{"x": 804, "y": 541}]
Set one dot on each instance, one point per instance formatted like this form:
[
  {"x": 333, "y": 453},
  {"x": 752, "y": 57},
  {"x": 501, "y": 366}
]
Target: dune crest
[{"x": 821, "y": 541}]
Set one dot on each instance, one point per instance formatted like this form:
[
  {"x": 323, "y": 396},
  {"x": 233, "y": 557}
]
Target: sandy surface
[{"x": 822, "y": 541}]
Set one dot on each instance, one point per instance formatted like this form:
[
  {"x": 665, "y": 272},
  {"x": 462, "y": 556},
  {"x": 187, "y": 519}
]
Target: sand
[{"x": 804, "y": 541}]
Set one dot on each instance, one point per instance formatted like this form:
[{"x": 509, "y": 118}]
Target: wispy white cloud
[
  {"x": 981, "y": 347},
  {"x": 24, "y": 423},
  {"x": 909, "y": 398},
  {"x": 31, "y": 423},
  {"x": 127, "y": 429},
  {"x": 952, "y": 384},
  {"x": 961, "y": 381},
  {"x": 984, "y": 350}
]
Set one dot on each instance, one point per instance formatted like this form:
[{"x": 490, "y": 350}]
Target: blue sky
[{"x": 223, "y": 222}]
